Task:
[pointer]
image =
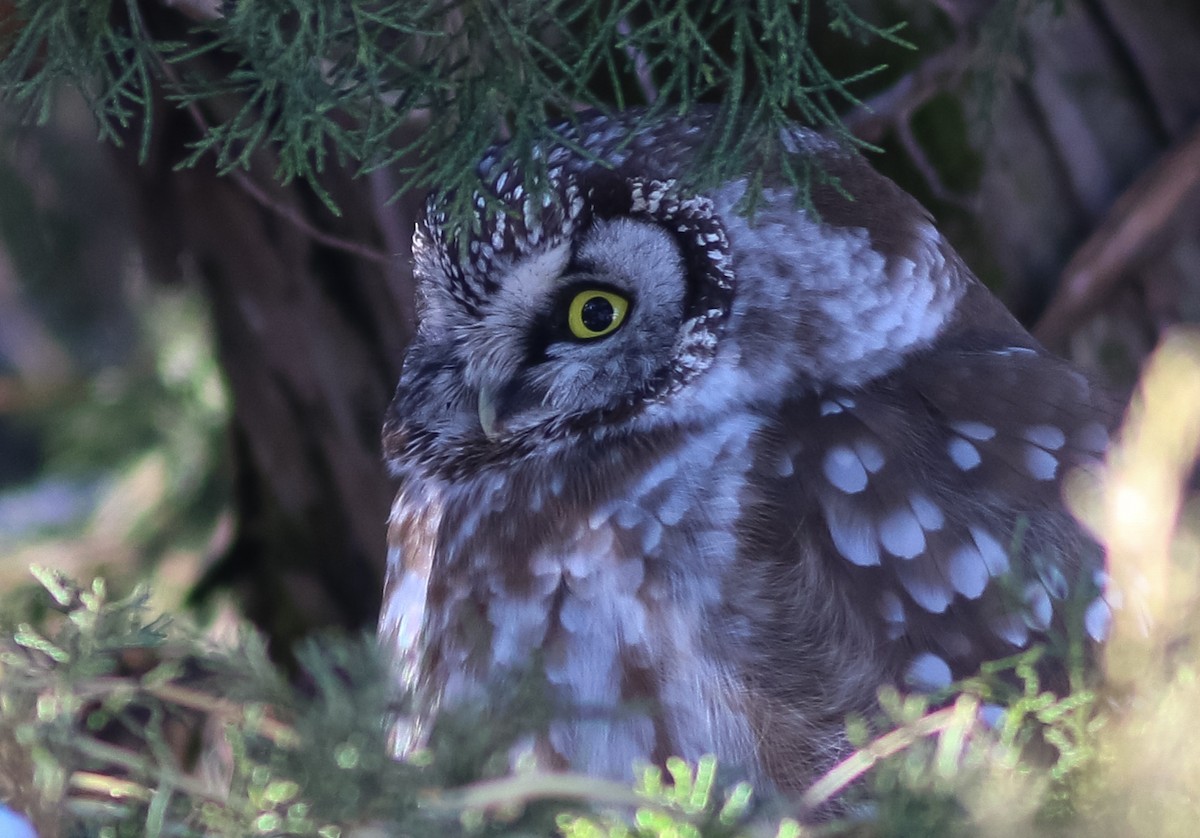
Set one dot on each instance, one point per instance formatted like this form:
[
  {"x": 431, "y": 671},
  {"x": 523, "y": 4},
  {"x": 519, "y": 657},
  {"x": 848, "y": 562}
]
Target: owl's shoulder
[{"x": 935, "y": 494}]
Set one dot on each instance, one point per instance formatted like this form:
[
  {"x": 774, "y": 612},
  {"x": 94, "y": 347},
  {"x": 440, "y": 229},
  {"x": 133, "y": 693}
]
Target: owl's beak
[
  {"x": 499, "y": 402},
  {"x": 487, "y": 411}
]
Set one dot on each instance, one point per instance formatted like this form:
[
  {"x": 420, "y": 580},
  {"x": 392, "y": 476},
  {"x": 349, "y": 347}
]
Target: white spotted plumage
[{"x": 815, "y": 457}]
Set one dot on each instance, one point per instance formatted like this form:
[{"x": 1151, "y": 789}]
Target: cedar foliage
[{"x": 324, "y": 83}]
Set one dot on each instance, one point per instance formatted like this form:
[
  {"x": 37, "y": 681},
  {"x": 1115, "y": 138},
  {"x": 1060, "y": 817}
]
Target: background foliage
[{"x": 464, "y": 69}]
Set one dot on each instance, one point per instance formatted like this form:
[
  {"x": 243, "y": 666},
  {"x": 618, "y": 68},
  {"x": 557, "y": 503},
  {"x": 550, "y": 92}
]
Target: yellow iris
[{"x": 594, "y": 313}]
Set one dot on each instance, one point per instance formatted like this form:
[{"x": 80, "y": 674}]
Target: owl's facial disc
[
  {"x": 593, "y": 313},
  {"x": 579, "y": 331}
]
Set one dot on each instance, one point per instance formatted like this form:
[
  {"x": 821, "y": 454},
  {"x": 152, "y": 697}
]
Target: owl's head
[{"x": 612, "y": 298}]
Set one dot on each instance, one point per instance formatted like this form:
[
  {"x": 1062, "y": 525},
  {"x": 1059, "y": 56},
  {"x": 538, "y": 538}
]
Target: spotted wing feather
[{"x": 936, "y": 492}]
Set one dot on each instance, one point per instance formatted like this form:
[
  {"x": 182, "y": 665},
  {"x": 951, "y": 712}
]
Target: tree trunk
[{"x": 310, "y": 338}]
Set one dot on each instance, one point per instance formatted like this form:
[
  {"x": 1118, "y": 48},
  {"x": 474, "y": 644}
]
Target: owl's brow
[{"x": 577, "y": 264}]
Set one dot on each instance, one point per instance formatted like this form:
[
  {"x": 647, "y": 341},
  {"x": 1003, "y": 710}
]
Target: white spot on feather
[
  {"x": 963, "y": 453},
  {"x": 1011, "y": 628},
  {"x": 601, "y": 514},
  {"x": 404, "y": 608},
  {"x": 1041, "y": 610},
  {"x": 928, "y": 513},
  {"x": 974, "y": 430},
  {"x": 676, "y": 505},
  {"x": 518, "y": 626},
  {"x": 891, "y": 608},
  {"x": 870, "y": 454},
  {"x": 628, "y": 516},
  {"x": 926, "y": 592},
  {"x": 928, "y": 672},
  {"x": 661, "y": 471},
  {"x": 1097, "y": 619},
  {"x": 852, "y": 535},
  {"x": 845, "y": 470},
  {"x": 1041, "y": 464},
  {"x": 990, "y": 550},
  {"x": 1045, "y": 436},
  {"x": 901, "y": 534},
  {"x": 651, "y": 535},
  {"x": 968, "y": 573}
]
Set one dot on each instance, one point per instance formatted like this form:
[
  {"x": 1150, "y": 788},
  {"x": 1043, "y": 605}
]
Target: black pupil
[{"x": 597, "y": 314}]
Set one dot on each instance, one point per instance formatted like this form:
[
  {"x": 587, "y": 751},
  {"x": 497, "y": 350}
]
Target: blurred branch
[
  {"x": 196, "y": 9},
  {"x": 641, "y": 65},
  {"x": 892, "y": 109},
  {"x": 227, "y": 710},
  {"x": 396, "y": 228},
  {"x": 139, "y": 764},
  {"x": 25, "y": 344},
  {"x": 252, "y": 189},
  {"x": 871, "y": 120},
  {"x": 525, "y": 788},
  {"x": 1163, "y": 198},
  {"x": 962, "y": 713}
]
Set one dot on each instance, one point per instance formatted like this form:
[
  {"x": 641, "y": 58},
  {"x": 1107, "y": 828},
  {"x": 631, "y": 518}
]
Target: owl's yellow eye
[{"x": 594, "y": 313}]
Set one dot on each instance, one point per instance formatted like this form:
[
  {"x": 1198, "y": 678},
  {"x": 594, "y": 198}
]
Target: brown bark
[
  {"x": 310, "y": 334},
  {"x": 1078, "y": 201}
]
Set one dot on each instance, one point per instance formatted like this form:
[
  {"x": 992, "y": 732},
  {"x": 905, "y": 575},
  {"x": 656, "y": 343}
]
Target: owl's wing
[{"x": 936, "y": 493}]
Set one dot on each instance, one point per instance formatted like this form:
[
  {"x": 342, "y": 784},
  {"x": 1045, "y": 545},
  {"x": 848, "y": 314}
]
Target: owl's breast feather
[{"x": 608, "y": 575}]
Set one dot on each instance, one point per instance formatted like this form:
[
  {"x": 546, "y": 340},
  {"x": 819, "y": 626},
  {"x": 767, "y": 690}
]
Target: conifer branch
[{"x": 334, "y": 83}]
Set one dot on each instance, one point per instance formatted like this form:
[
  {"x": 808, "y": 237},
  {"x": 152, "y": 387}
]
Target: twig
[
  {"x": 864, "y": 759},
  {"x": 140, "y": 766},
  {"x": 925, "y": 166},
  {"x": 196, "y": 9},
  {"x": 641, "y": 67},
  {"x": 396, "y": 238},
  {"x": 537, "y": 785},
  {"x": 281, "y": 734},
  {"x": 894, "y": 107},
  {"x": 871, "y": 120},
  {"x": 278, "y": 732},
  {"x": 90, "y": 781},
  {"x": 1146, "y": 211},
  {"x": 247, "y": 184}
]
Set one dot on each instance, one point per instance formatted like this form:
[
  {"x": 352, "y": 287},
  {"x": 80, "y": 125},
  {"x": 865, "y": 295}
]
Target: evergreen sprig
[
  {"x": 115, "y": 714},
  {"x": 304, "y": 82},
  {"x": 46, "y": 44},
  {"x": 130, "y": 724}
]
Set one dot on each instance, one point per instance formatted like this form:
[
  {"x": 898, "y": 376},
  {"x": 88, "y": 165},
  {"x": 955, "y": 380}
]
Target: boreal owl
[{"x": 719, "y": 476}]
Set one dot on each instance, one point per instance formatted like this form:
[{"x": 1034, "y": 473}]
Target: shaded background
[{"x": 193, "y": 369}]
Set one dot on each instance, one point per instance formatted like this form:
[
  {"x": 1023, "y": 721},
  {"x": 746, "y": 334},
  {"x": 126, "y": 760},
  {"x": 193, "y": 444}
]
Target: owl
[{"x": 719, "y": 477}]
